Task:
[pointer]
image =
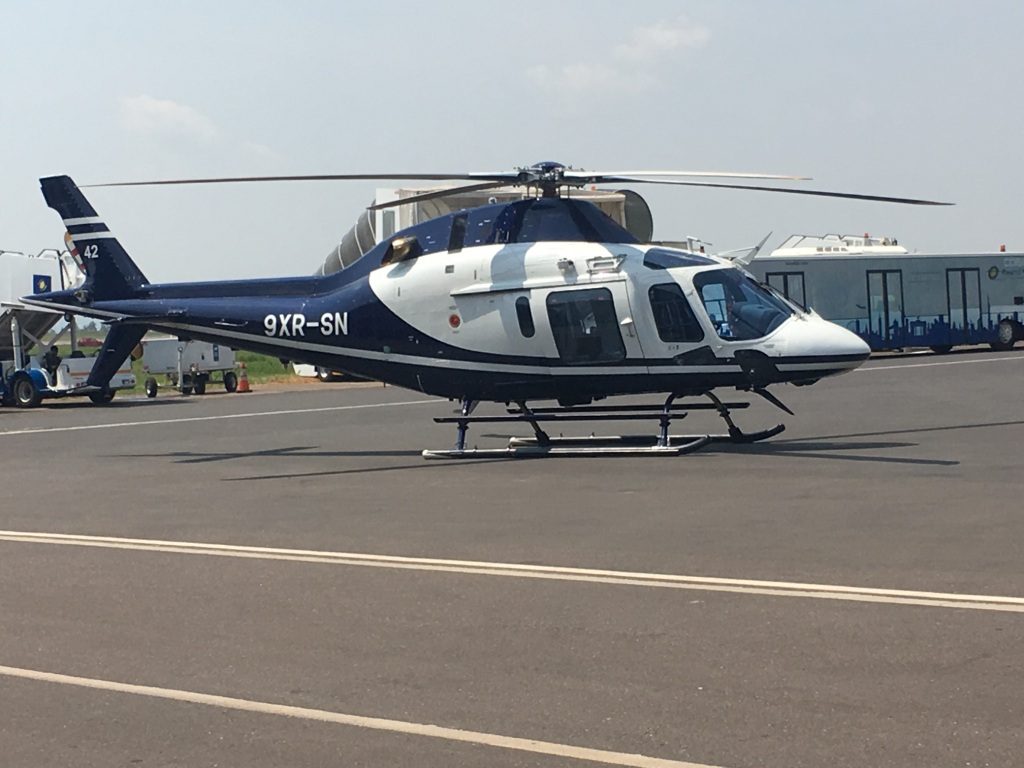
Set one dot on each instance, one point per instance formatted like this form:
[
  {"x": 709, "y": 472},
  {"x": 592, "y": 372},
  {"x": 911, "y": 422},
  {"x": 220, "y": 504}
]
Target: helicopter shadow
[
  {"x": 912, "y": 431},
  {"x": 817, "y": 448},
  {"x": 300, "y": 451}
]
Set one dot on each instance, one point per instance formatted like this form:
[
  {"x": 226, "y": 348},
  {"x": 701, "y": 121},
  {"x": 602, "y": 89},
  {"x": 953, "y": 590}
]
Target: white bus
[{"x": 895, "y": 299}]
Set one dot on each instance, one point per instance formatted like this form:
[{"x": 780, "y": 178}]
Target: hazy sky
[{"x": 902, "y": 97}]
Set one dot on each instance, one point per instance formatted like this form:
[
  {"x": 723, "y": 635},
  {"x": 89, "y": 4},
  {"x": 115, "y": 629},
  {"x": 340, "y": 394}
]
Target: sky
[{"x": 913, "y": 98}]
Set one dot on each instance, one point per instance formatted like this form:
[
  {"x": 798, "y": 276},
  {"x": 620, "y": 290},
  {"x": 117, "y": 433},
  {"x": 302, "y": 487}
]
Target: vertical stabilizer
[{"x": 111, "y": 274}]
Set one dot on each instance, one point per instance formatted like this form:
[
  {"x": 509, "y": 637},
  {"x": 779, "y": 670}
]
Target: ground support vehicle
[
  {"x": 897, "y": 299},
  {"x": 187, "y": 366},
  {"x": 26, "y": 332},
  {"x": 29, "y": 385}
]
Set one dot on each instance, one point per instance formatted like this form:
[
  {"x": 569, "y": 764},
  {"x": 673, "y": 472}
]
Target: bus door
[
  {"x": 789, "y": 284},
  {"x": 963, "y": 297},
  {"x": 885, "y": 306}
]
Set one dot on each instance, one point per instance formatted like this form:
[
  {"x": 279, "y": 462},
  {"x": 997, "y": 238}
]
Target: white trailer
[{"x": 187, "y": 365}]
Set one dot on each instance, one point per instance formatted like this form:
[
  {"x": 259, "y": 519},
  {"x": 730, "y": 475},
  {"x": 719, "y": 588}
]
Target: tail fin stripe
[
  {"x": 83, "y": 220},
  {"x": 92, "y": 236}
]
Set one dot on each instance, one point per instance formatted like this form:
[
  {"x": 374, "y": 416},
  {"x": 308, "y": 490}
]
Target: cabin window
[
  {"x": 457, "y": 237},
  {"x": 525, "y": 315},
  {"x": 659, "y": 258},
  {"x": 673, "y": 314},
  {"x": 738, "y": 307},
  {"x": 585, "y": 327}
]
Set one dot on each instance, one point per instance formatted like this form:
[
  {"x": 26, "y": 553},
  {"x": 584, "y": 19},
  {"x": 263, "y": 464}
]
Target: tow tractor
[{"x": 26, "y": 380}]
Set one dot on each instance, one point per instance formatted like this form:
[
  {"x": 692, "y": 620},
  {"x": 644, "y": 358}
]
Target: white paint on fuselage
[{"x": 480, "y": 287}]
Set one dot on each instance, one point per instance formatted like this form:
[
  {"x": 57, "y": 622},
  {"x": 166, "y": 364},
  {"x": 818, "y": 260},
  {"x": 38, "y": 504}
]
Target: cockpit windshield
[{"x": 739, "y": 308}]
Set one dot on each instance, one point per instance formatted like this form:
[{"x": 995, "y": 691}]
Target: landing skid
[{"x": 542, "y": 444}]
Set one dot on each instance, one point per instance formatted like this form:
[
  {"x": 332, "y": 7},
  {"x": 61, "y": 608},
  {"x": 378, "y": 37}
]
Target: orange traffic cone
[{"x": 243, "y": 379}]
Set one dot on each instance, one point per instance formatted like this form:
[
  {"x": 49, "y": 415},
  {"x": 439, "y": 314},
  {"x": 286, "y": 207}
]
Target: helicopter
[{"x": 541, "y": 298}]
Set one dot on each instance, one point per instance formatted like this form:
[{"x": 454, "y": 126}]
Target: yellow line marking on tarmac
[
  {"x": 547, "y": 572},
  {"x": 358, "y": 721},
  {"x": 116, "y": 425}
]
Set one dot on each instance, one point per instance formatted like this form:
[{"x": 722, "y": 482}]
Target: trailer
[
  {"x": 897, "y": 299},
  {"x": 187, "y": 366},
  {"x": 27, "y": 375}
]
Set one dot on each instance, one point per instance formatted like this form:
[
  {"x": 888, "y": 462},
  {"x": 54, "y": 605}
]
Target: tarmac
[{"x": 280, "y": 578}]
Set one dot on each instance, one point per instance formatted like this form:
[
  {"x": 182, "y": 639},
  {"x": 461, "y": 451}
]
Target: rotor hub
[{"x": 547, "y": 175}]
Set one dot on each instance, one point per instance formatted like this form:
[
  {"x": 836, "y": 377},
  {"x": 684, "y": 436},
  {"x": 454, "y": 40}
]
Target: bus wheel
[
  {"x": 941, "y": 349},
  {"x": 1006, "y": 334}
]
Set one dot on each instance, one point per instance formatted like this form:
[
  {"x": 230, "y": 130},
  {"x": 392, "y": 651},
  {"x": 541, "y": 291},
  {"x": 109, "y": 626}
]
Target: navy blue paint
[
  {"x": 932, "y": 331},
  {"x": 81, "y": 229},
  {"x": 112, "y": 274},
  {"x": 120, "y": 341}
]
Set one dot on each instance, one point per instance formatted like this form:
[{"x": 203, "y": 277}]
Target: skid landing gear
[{"x": 542, "y": 444}]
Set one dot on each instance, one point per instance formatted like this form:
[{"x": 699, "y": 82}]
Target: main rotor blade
[
  {"x": 704, "y": 174},
  {"x": 439, "y": 193},
  {"x": 817, "y": 192},
  {"x": 319, "y": 177}
]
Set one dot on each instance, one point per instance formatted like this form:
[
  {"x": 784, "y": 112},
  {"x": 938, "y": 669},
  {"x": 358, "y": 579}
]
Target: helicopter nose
[
  {"x": 840, "y": 341},
  {"x": 825, "y": 346}
]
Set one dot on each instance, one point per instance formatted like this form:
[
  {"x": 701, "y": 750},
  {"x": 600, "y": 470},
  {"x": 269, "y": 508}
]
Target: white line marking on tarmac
[
  {"x": 547, "y": 572},
  {"x": 121, "y": 424},
  {"x": 359, "y": 721},
  {"x": 216, "y": 418},
  {"x": 1017, "y": 358}
]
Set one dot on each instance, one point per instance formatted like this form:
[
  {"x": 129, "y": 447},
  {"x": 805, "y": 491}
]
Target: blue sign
[{"x": 41, "y": 283}]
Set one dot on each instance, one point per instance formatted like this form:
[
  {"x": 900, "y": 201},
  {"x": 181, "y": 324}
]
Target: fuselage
[{"x": 557, "y": 305}]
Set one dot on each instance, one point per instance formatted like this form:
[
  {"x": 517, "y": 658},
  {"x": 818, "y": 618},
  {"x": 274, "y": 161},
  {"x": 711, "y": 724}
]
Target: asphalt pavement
[{"x": 281, "y": 579}]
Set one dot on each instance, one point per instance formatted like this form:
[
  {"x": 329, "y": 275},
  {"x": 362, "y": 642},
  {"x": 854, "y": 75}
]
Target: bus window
[{"x": 790, "y": 285}]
